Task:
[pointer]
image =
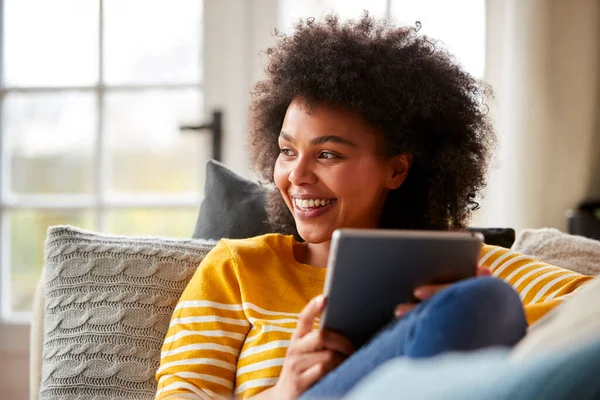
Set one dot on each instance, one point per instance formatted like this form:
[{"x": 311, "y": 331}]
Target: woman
[{"x": 358, "y": 125}]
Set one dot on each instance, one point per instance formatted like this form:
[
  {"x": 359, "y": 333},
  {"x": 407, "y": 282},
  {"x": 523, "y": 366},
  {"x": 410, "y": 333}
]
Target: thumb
[{"x": 307, "y": 316}]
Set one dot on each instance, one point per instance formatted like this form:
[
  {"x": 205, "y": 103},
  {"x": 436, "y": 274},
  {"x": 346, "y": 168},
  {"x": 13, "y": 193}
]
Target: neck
[
  {"x": 318, "y": 254},
  {"x": 313, "y": 254}
]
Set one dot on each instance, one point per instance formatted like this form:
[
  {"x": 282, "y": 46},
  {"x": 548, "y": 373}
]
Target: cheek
[
  {"x": 365, "y": 186},
  {"x": 280, "y": 176}
]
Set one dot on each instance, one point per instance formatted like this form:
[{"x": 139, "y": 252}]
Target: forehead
[{"x": 322, "y": 119}]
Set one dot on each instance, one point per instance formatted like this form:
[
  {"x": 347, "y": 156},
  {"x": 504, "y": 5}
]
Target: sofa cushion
[
  {"x": 489, "y": 375},
  {"x": 109, "y": 300},
  {"x": 233, "y": 206},
  {"x": 574, "y": 323},
  {"x": 576, "y": 253}
]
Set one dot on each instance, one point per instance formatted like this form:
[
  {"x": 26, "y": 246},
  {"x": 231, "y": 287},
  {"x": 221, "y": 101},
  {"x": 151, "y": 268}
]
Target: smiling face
[{"x": 330, "y": 172}]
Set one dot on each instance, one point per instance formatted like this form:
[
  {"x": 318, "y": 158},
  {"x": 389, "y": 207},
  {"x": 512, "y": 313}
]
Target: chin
[{"x": 313, "y": 235}]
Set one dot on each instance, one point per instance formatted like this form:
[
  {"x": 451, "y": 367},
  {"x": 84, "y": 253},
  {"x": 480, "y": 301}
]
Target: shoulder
[
  {"x": 259, "y": 247},
  {"x": 232, "y": 259}
]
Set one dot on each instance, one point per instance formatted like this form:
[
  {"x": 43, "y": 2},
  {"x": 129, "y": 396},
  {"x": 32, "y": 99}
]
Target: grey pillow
[
  {"x": 552, "y": 246},
  {"x": 109, "y": 300},
  {"x": 233, "y": 206}
]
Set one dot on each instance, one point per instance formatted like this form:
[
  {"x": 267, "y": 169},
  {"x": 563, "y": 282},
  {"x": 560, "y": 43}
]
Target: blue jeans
[{"x": 469, "y": 315}]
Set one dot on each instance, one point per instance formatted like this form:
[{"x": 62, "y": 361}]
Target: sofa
[{"x": 103, "y": 304}]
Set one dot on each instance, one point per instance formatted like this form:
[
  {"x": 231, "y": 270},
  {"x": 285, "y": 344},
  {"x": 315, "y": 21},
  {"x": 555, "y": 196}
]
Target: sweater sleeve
[
  {"x": 541, "y": 286},
  {"x": 206, "y": 333}
]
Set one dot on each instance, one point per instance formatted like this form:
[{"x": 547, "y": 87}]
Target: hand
[
  {"x": 311, "y": 354},
  {"x": 425, "y": 292}
]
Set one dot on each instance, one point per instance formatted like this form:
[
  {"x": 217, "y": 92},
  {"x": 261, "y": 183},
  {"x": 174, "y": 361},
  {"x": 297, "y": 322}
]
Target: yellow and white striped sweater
[{"x": 231, "y": 328}]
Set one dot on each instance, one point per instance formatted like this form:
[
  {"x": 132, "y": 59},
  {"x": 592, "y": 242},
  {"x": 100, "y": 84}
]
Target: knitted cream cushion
[{"x": 108, "y": 304}]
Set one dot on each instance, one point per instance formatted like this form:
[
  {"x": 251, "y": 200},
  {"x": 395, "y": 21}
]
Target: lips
[{"x": 310, "y": 207}]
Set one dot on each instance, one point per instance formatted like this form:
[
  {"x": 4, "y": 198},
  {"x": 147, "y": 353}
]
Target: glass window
[
  {"x": 55, "y": 45},
  {"x": 292, "y": 10},
  {"x": 170, "y": 222},
  {"x": 49, "y": 137},
  {"x": 146, "y": 150},
  {"x": 150, "y": 41},
  {"x": 458, "y": 24},
  {"x": 92, "y": 94}
]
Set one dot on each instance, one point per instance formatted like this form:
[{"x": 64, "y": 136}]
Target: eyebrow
[{"x": 322, "y": 139}]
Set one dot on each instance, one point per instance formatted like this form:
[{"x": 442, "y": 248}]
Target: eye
[
  {"x": 286, "y": 152},
  {"x": 328, "y": 155}
]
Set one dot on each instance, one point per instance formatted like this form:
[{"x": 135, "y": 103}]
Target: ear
[{"x": 400, "y": 166}]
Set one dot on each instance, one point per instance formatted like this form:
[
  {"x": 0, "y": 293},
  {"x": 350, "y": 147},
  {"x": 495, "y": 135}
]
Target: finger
[
  {"x": 304, "y": 361},
  {"x": 310, "y": 343},
  {"x": 311, "y": 376},
  {"x": 320, "y": 340},
  {"x": 483, "y": 271},
  {"x": 316, "y": 372},
  {"x": 338, "y": 343},
  {"x": 428, "y": 291},
  {"x": 307, "y": 316},
  {"x": 403, "y": 309}
]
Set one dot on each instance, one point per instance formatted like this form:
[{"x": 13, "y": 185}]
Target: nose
[{"x": 302, "y": 172}]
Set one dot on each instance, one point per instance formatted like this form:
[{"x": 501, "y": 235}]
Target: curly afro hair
[{"x": 401, "y": 83}]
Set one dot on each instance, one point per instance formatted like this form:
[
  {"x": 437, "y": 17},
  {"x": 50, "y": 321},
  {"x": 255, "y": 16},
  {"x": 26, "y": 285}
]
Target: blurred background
[{"x": 94, "y": 95}]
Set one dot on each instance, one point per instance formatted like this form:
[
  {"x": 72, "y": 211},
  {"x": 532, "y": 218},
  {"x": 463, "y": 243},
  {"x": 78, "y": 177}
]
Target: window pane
[
  {"x": 157, "y": 41},
  {"x": 177, "y": 223},
  {"x": 292, "y": 10},
  {"x": 50, "y": 139},
  {"x": 27, "y": 237},
  {"x": 147, "y": 150},
  {"x": 50, "y": 42},
  {"x": 459, "y": 24}
]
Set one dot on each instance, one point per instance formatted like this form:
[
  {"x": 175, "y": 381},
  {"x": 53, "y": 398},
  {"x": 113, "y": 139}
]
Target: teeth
[{"x": 311, "y": 203}]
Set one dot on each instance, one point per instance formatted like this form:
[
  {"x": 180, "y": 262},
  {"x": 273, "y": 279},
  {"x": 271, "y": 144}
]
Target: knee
[{"x": 489, "y": 305}]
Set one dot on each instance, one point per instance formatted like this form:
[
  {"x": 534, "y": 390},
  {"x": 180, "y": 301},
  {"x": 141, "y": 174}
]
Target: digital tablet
[{"x": 370, "y": 272}]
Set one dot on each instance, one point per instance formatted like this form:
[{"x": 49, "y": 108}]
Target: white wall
[
  {"x": 235, "y": 37},
  {"x": 14, "y": 361},
  {"x": 543, "y": 62}
]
